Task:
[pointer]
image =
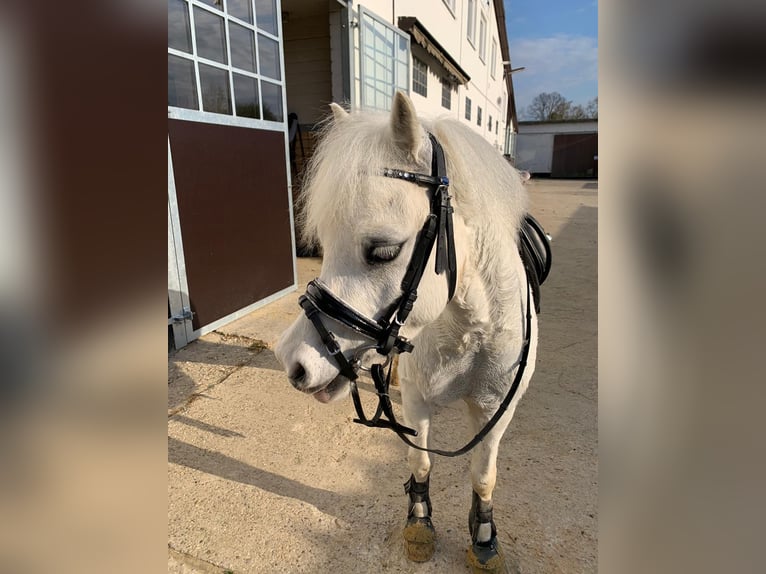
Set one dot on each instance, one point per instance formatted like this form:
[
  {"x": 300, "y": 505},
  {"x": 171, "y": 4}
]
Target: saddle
[{"x": 535, "y": 251}]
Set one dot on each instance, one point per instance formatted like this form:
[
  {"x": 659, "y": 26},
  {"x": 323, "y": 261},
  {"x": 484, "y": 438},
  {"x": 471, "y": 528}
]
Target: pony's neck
[{"x": 493, "y": 275}]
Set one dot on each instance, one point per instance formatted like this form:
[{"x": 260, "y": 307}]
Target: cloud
[{"x": 564, "y": 63}]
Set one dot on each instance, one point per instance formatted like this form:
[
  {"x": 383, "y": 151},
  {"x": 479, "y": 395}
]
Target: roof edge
[{"x": 424, "y": 38}]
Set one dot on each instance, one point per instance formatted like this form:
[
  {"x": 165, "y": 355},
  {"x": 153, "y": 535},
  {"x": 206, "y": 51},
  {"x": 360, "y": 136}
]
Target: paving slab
[{"x": 262, "y": 478}]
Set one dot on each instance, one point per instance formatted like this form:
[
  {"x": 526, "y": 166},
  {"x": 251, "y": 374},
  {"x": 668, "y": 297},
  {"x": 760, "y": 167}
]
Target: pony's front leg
[
  {"x": 419, "y": 533},
  {"x": 484, "y": 555}
]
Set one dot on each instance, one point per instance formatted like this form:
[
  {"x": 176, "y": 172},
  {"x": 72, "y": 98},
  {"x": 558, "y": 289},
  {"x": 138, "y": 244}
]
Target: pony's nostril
[{"x": 297, "y": 376}]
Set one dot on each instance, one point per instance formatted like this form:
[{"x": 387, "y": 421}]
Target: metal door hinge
[{"x": 186, "y": 315}]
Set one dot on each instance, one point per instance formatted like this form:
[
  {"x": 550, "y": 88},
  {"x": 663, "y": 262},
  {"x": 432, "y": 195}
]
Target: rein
[{"x": 319, "y": 300}]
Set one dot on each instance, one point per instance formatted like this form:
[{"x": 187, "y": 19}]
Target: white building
[{"x": 446, "y": 54}]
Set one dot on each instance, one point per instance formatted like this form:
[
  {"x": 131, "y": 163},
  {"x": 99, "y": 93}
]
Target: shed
[{"x": 566, "y": 148}]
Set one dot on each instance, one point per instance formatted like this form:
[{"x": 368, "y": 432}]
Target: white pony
[{"x": 467, "y": 348}]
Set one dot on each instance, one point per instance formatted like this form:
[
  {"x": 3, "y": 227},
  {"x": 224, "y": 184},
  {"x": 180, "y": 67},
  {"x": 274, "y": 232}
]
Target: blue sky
[{"x": 557, "y": 41}]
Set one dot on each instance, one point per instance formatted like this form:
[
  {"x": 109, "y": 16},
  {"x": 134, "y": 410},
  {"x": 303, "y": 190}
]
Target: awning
[{"x": 423, "y": 38}]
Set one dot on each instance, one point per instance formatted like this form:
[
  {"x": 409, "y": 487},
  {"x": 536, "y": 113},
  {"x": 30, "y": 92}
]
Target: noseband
[{"x": 385, "y": 332}]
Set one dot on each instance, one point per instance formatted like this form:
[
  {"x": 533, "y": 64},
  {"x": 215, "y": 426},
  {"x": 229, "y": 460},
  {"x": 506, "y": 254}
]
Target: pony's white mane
[{"x": 487, "y": 191}]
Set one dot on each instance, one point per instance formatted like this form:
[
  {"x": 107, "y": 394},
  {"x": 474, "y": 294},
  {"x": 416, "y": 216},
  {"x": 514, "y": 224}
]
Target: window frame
[
  {"x": 493, "y": 59},
  {"x": 366, "y": 13},
  {"x": 478, "y": 115},
  {"x": 448, "y": 87},
  {"x": 450, "y": 4},
  {"x": 467, "y": 108},
  {"x": 415, "y": 69},
  {"x": 200, "y": 114},
  {"x": 483, "y": 37},
  {"x": 471, "y": 23}
]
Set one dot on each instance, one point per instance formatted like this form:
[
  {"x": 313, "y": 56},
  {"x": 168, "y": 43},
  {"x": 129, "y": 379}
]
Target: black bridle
[{"x": 385, "y": 332}]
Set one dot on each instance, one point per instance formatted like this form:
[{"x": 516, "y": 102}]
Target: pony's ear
[
  {"x": 405, "y": 125},
  {"x": 338, "y": 113}
]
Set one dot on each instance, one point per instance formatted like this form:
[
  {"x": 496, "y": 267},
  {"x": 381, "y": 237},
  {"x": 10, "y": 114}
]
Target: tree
[
  {"x": 549, "y": 106},
  {"x": 592, "y": 108},
  {"x": 577, "y": 113},
  {"x": 553, "y": 107}
]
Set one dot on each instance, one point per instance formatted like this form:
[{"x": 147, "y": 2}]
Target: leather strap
[
  {"x": 328, "y": 339},
  {"x": 384, "y": 404},
  {"x": 324, "y": 300}
]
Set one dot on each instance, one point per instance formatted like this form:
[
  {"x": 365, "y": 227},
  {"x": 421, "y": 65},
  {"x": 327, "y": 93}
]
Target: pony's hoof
[
  {"x": 419, "y": 539},
  {"x": 486, "y": 559}
]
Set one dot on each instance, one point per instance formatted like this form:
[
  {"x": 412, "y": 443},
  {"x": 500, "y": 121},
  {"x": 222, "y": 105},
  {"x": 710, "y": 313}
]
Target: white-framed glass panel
[
  {"x": 446, "y": 94},
  {"x": 214, "y": 82},
  {"x": 471, "y": 21},
  {"x": 451, "y": 5},
  {"x": 468, "y": 109},
  {"x": 246, "y": 98},
  {"x": 210, "y": 33},
  {"x": 242, "y": 47},
  {"x": 242, "y": 9},
  {"x": 182, "y": 83},
  {"x": 483, "y": 37},
  {"x": 489, "y": 124},
  {"x": 217, "y": 4},
  {"x": 419, "y": 77},
  {"x": 384, "y": 53},
  {"x": 493, "y": 58},
  {"x": 268, "y": 52},
  {"x": 266, "y": 15},
  {"x": 179, "y": 26},
  {"x": 478, "y": 116},
  {"x": 272, "y": 102}
]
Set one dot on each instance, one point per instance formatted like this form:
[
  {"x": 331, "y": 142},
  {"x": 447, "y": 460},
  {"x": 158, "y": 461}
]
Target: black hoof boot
[
  {"x": 483, "y": 557},
  {"x": 419, "y": 533}
]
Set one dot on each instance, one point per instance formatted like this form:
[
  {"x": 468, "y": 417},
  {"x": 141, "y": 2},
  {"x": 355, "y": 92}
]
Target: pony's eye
[{"x": 382, "y": 253}]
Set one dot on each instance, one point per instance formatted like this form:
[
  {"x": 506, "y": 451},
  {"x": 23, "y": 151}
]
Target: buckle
[{"x": 332, "y": 345}]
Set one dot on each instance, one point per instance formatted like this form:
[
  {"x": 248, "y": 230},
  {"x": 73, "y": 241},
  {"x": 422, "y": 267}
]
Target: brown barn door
[
  {"x": 574, "y": 155},
  {"x": 234, "y": 211}
]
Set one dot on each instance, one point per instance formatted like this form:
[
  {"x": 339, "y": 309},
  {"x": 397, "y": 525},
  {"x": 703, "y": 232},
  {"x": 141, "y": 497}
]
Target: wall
[
  {"x": 308, "y": 72},
  {"x": 534, "y": 152}
]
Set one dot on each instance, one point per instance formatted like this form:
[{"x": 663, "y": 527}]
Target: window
[
  {"x": 493, "y": 58},
  {"x": 468, "y": 109},
  {"x": 446, "y": 95},
  {"x": 471, "y": 21},
  {"x": 384, "y": 53},
  {"x": 489, "y": 124},
  {"x": 419, "y": 77},
  {"x": 212, "y": 63},
  {"x": 478, "y": 116},
  {"x": 483, "y": 38},
  {"x": 451, "y": 5},
  {"x": 496, "y": 127}
]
